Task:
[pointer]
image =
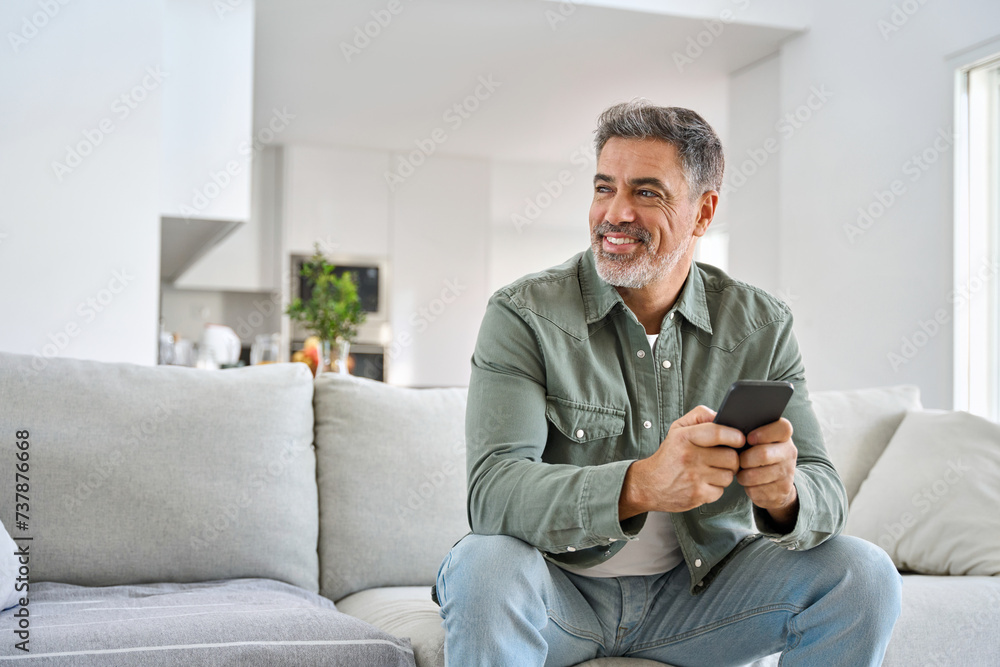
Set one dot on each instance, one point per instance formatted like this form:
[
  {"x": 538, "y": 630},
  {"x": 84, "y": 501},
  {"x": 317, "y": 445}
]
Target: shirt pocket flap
[{"x": 581, "y": 422}]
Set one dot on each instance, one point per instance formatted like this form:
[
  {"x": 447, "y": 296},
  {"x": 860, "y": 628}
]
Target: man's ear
[{"x": 706, "y": 212}]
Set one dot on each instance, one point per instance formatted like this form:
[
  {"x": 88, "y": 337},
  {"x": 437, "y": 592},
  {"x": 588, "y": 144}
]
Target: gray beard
[{"x": 638, "y": 270}]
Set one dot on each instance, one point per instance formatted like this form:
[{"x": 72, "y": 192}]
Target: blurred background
[{"x": 168, "y": 165}]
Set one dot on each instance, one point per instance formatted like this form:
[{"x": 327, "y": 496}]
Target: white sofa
[{"x": 258, "y": 517}]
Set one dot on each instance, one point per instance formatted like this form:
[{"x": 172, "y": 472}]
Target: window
[{"x": 977, "y": 239}]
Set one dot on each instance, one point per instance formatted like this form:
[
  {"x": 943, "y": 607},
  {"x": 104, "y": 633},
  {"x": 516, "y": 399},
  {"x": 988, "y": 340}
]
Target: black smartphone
[{"x": 750, "y": 404}]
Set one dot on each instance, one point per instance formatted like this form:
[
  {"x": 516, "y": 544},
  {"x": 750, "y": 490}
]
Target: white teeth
[{"x": 620, "y": 241}]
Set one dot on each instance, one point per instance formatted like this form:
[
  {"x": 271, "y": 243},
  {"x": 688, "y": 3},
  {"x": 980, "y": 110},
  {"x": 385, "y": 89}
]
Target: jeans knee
[
  {"x": 488, "y": 565},
  {"x": 493, "y": 552},
  {"x": 872, "y": 573}
]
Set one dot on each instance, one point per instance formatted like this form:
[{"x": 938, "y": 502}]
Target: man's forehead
[{"x": 637, "y": 159}]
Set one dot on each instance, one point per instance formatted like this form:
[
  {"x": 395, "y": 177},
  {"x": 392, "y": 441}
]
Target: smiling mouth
[{"x": 620, "y": 244}]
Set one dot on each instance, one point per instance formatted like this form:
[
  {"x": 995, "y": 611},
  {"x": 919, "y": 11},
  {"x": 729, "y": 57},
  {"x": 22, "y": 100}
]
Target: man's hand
[
  {"x": 768, "y": 472},
  {"x": 693, "y": 466}
]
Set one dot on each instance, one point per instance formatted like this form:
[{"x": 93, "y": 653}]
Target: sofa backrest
[
  {"x": 391, "y": 472},
  {"x": 858, "y": 424},
  {"x": 142, "y": 474},
  {"x": 154, "y": 474}
]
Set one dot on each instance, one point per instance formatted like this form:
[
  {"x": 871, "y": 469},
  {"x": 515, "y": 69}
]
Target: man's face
[{"x": 641, "y": 200}]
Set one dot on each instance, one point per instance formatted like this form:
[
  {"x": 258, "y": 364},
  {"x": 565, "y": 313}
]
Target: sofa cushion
[
  {"x": 247, "y": 622},
  {"x": 946, "y": 621},
  {"x": 391, "y": 472},
  {"x": 408, "y": 612},
  {"x": 858, "y": 424},
  {"x": 160, "y": 473},
  {"x": 403, "y": 611},
  {"x": 9, "y": 595},
  {"x": 931, "y": 500}
]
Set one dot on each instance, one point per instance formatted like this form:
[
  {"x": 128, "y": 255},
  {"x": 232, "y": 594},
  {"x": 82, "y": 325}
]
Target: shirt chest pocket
[{"x": 581, "y": 434}]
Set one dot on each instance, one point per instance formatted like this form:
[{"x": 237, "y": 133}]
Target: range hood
[{"x": 184, "y": 240}]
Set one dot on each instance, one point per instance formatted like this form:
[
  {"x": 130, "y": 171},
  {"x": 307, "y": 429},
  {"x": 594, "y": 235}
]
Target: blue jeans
[{"x": 504, "y": 605}]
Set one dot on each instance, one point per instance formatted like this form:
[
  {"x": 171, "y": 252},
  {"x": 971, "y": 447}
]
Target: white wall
[
  {"x": 749, "y": 198},
  {"x": 439, "y": 222},
  {"x": 539, "y": 214},
  {"x": 207, "y": 110},
  {"x": 860, "y": 297},
  {"x": 64, "y": 240},
  {"x": 337, "y": 197}
]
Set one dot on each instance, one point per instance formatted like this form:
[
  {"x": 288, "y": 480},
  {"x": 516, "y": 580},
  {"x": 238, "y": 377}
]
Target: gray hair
[{"x": 695, "y": 140}]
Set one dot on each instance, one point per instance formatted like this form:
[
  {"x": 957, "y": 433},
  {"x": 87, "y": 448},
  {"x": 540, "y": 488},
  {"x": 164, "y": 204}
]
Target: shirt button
[
  {"x": 647, "y": 424},
  {"x": 570, "y": 548},
  {"x": 700, "y": 583},
  {"x": 791, "y": 548},
  {"x": 666, "y": 363},
  {"x": 697, "y": 562},
  {"x": 579, "y": 432},
  {"x": 613, "y": 539},
  {"x": 640, "y": 354},
  {"x": 671, "y": 315}
]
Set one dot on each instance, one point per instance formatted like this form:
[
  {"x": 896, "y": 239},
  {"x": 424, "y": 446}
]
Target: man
[{"x": 610, "y": 516}]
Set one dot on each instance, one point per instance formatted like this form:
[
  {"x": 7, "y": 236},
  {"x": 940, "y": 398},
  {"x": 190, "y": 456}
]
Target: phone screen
[{"x": 750, "y": 404}]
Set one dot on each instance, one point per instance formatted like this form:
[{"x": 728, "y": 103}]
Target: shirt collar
[{"x": 599, "y": 297}]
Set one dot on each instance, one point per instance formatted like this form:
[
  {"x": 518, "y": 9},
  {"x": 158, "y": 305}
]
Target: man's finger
[
  {"x": 725, "y": 458},
  {"x": 750, "y": 477},
  {"x": 770, "y": 454},
  {"x": 719, "y": 477},
  {"x": 713, "y": 435},
  {"x": 785, "y": 453},
  {"x": 778, "y": 431}
]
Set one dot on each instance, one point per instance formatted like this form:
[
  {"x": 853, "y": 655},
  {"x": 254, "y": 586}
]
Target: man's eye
[
  {"x": 648, "y": 193},
  {"x": 602, "y": 188}
]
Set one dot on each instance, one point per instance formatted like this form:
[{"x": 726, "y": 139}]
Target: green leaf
[{"x": 333, "y": 311}]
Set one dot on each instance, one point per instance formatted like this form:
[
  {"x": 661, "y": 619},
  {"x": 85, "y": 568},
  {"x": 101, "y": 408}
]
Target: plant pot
[
  {"x": 334, "y": 357},
  {"x": 340, "y": 364}
]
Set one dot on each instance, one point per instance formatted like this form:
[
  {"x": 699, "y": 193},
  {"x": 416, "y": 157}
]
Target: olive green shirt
[{"x": 565, "y": 394}]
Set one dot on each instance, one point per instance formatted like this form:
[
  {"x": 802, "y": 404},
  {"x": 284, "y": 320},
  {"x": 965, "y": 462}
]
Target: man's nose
[{"x": 620, "y": 210}]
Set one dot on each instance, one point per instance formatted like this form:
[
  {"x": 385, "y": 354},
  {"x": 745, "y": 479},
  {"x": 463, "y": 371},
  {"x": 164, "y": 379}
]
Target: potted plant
[{"x": 332, "y": 312}]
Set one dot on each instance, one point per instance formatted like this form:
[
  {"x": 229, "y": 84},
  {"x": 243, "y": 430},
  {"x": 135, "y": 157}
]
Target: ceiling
[{"x": 557, "y": 65}]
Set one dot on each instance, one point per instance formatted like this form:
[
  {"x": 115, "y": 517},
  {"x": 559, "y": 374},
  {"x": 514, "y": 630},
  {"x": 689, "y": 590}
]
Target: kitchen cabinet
[
  {"x": 336, "y": 197},
  {"x": 208, "y": 146}
]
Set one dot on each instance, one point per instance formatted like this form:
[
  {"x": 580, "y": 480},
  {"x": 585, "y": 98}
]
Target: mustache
[{"x": 607, "y": 228}]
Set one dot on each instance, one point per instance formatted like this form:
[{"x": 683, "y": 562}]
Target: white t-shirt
[{"x": 655, "y": 550}]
